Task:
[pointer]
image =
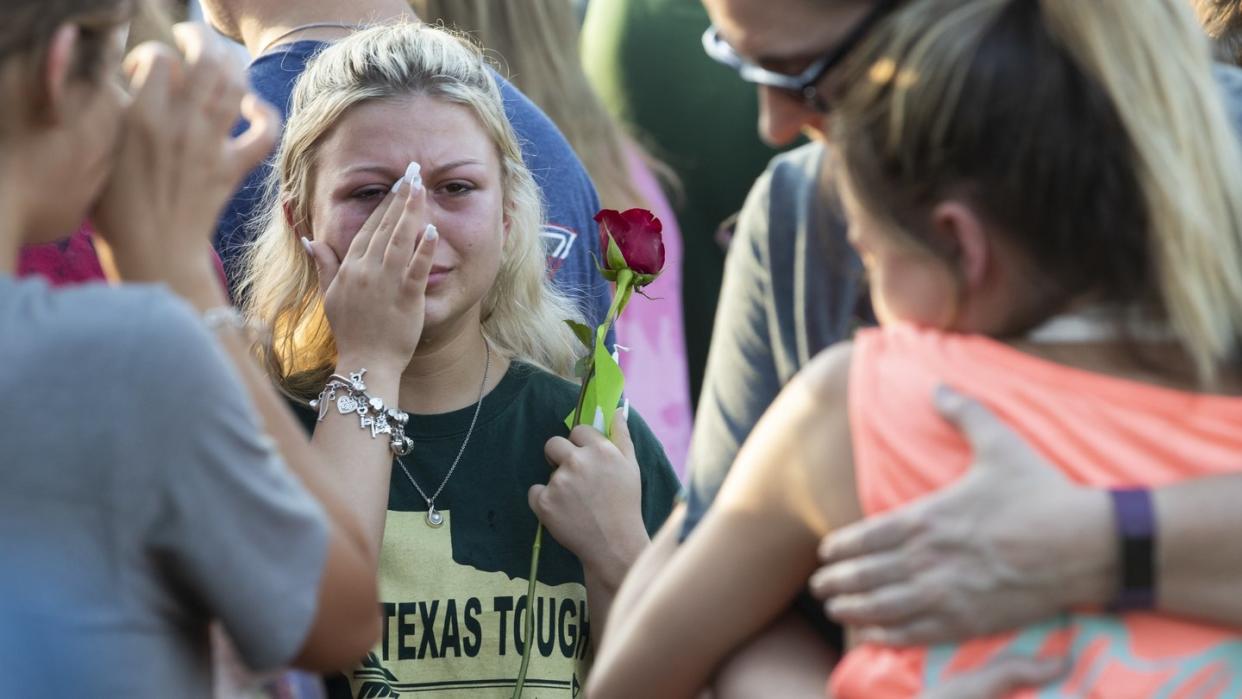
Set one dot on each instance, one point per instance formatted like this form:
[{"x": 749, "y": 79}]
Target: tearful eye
[
  {"x": 457, "y": 188},
  {"x": 368, "y": 193}
]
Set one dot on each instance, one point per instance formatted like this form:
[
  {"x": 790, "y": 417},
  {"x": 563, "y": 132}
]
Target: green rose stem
[{"x": 625, "y": 289}]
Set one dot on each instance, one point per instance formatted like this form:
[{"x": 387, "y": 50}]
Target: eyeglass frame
[{"x": 805, "y": 83}]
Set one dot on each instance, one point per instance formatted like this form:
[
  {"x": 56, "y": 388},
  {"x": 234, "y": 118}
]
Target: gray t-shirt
[
  {"x": 790, "y": 289},
  {"x": 139, "y": 500}
]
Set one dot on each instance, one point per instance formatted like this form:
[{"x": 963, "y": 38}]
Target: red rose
[{"x": 631, "y": 240}]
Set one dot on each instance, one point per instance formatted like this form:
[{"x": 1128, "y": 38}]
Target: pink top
[
  {"x": 74, "y": 260},
  {"x": 69, "y": 261},
  {"x": 657, "y": 380},
  {"x": 1099, "y": 430}
]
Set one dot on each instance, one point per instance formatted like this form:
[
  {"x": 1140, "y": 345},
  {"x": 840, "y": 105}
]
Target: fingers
[
  {"x": 419, "y": 269},
  {"x": 397, "y": 252},
  {"x": 326, "y": 262},
  {"x": 873, "y": 535},
  {"x": 252, "y": 145},
  {"x": 975, "y": 421},
  {"x": 886, "y": 605},
  {"x": 1002, "y": 676},
  {"x": 535, "y": 497},
  {"x": 385, "y": 215},
  {"x": 621, "y": 435},
  {"x": 214, "y": 84},
  {"x": 153, "y": 70},
  {"x": 915, "y": 632},
  {"x": 858, "y": 575},
  {"x": 559, "y": 451}
]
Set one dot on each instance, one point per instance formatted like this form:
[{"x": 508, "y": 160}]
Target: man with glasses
[{"x": 791, "y": 284}]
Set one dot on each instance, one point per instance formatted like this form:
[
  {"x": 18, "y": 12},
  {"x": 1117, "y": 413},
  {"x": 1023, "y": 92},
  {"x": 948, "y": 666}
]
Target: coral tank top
[{"x": 1099, "y": 430}]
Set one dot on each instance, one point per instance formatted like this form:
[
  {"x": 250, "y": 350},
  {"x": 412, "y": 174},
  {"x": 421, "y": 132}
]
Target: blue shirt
[{"x": 569, "y": 197}]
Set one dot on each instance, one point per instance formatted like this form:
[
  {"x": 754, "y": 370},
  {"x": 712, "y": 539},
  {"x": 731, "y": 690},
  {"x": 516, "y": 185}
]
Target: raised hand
[
  {"x": 375, "y": 298},
  {"x": 177, "y": 163}
]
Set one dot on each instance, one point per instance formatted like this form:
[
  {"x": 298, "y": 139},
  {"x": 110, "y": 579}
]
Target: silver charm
[
  {"x": 402, "y": 446},
  {"x": 434, "y": 518},
  {"x": 379, "y": 425},
  {"x": 355, "y": 380},
  {"x": 346, "y": 405},
  {"x": 324, "y": 400}
]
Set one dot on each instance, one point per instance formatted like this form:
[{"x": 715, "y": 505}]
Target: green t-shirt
[{"x": 454, "y": 598}]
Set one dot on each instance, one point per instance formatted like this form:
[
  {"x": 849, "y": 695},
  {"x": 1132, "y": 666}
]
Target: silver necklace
[{"x": 434, "y": 517}]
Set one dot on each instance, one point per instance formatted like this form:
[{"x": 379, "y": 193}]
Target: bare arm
[
  {"x": 1035, "y": 544},
  {"x": 792, "y": 482},
  {"x": 649, "y": 565}
]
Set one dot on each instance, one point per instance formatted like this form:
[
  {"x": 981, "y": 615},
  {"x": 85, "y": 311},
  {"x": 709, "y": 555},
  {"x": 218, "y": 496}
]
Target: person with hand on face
[
  {"x": 154, "y": 482},
  {"x": 283, "y": 35},
  {"x": 1099, "y": 321},
  {"x": 425, "y": 293}
]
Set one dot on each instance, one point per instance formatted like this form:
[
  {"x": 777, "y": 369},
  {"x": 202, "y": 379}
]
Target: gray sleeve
[
  {"x": 741, "y": 378},
  {"x": 238, "y": 534}
]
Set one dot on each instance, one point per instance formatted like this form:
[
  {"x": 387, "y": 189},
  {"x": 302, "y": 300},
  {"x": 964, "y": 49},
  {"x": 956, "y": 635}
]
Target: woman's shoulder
[
  {"x": 135, "y": 333},
  {"x": 537, "y": 383},
  {"x": 95, "y": 317}
]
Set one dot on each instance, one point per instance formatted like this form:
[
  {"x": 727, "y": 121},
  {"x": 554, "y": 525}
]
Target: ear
[
  {"x": 55, "y": 73},
  {"x": 286, "y": 208},
  {"x": 962, "y": 234}
]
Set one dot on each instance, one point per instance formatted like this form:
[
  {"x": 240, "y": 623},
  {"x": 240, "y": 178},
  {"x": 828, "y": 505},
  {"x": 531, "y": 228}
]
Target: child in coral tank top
[{"x": 1046, "y": 198}]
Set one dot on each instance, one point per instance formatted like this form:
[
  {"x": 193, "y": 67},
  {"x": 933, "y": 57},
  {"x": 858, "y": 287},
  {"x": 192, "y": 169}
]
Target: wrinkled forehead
[
  {"x": 775, "y": 31},
  {"x": 414, "y": 128}
]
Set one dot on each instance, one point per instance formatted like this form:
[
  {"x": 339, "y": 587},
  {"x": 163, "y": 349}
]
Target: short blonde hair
[{"x": 522, "y": 314}]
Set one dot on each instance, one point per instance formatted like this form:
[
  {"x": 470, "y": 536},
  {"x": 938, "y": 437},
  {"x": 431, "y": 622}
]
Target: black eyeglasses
[{"x": 805, "y": 83}]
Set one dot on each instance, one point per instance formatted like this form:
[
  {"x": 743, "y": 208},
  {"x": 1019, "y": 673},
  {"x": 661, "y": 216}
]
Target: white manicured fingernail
[
  {"x": 397, "y": 184},
  {"x": 307, "y": 246},
  {"x": 598, "y": 424},
  {"x": 431, "y": 233},
  {"x": 413, "y": 175},
  {"x": 625, "y": 409}
]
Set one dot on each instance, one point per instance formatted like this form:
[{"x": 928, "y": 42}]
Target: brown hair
[
  {"x": 26, "y": 27},
  {"x": 1091, "y": 133},
  {"x": 1222, "y": 20}
]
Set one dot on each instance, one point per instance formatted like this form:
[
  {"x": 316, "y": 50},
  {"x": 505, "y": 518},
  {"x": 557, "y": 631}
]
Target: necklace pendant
[{"x": 434, "y": 518}]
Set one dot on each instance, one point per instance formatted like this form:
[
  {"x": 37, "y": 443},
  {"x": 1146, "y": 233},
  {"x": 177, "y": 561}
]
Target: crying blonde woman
[{"x": 400, "y": 266}]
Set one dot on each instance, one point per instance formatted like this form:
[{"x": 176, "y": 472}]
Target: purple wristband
[{"x": 1136, "y": 532}]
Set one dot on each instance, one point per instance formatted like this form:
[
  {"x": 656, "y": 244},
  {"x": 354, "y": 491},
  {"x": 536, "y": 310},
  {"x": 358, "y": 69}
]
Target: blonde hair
[
  {"x": 1092, "y": 132},
  {"x": 522, "y": 314},
  {"x": 538, "y": 42}
]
